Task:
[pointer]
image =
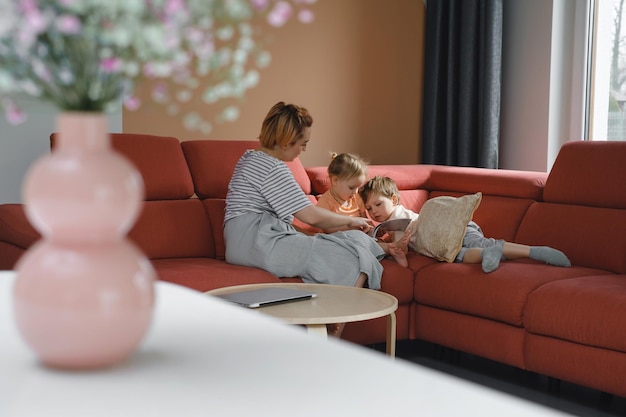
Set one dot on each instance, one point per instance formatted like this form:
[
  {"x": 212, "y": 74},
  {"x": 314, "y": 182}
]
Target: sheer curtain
[{"x": 461, "y": 118}]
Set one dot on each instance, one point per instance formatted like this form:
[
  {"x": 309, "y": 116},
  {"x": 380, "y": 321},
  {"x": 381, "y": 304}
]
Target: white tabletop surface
[{"x": 206, "y": 357}]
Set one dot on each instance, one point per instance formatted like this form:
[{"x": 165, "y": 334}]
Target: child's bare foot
[
  {"x": 404, "y": 242},
  {"x": 398, "y": 254}
]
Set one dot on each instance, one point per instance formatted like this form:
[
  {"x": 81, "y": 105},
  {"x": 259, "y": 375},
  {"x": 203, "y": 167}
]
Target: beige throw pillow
[{"x": 440, "y": 227}]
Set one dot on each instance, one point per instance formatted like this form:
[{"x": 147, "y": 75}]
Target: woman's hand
[
  {"x": 360, "y": 223},
  {"x": 326, "y": 219}
]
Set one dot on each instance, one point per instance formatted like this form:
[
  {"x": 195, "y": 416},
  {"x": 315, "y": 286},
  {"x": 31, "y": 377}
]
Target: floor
[{"x": 570, "y": 398}]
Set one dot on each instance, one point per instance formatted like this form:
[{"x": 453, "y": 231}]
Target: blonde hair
[
  {"x": 284, "y": 125},
  {"x": 383, "y": 186},
  {"x": 345, "y": 166}
]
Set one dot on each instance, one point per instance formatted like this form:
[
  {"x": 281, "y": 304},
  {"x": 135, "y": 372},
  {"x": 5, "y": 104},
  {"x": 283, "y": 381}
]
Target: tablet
[{"x": 267, "y": 296}]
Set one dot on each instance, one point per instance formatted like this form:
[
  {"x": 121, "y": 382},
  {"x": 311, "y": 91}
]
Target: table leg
[
  {"x": 318, "y": 329},
  {"x": 391, "y": 335}
]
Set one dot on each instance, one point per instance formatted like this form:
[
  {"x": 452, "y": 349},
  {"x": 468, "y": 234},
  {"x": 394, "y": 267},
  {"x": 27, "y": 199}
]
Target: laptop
[{"x": 267, "y": 296}]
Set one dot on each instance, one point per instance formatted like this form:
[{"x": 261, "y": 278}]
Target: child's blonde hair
[
  {"x": 383, "y": 186},
  {"x": 345, "y": 166}
]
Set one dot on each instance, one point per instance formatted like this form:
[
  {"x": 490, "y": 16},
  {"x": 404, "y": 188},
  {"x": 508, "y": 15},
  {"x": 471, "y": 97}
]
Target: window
[{"x": 608, "y": 95}]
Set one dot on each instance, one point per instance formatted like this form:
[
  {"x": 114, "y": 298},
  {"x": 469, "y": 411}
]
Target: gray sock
[
  {"x": 491, "y": 258},
  {"x": 549, "y": 255}
]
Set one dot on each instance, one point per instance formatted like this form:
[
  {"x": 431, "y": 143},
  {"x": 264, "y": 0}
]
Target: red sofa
[{"x": 566, "y": 323}]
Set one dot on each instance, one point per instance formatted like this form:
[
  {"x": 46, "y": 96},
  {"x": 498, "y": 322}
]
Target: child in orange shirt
[{"x": 347, "y": 172}]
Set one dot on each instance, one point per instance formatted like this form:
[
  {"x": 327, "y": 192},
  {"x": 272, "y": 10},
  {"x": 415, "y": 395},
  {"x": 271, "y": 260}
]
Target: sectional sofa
[{"x": 566, "y": 323}]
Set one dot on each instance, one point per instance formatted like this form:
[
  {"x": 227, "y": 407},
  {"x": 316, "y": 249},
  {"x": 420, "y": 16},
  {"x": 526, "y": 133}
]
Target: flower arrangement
[{"x": 88, "y": 55}]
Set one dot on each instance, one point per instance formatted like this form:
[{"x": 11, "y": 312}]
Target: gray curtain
[{"x": 462, "y": 60}]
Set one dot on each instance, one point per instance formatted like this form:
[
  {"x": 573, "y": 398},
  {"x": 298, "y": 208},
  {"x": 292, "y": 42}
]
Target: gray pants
[
  {"x": 266, "y": 242},
  {"x": 474, "y": 238}
]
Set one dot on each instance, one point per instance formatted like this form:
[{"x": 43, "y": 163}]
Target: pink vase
[{"x": 84, "y": 294}]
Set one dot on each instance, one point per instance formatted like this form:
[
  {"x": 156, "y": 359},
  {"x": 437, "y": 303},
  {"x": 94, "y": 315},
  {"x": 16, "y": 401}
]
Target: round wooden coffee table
[{"x": 333, "y": 304}]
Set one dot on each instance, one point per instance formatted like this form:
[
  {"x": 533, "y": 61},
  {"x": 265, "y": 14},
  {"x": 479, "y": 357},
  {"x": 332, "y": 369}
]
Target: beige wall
[{"x": 357, "y": 68}]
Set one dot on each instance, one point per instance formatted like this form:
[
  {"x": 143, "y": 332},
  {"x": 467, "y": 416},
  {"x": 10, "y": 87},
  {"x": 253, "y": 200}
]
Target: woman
[{"x": 264, "y": 197}]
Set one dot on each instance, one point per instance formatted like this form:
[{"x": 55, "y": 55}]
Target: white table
[
  {"x": 206, "y": 357},
  {"x": 333, "y": 304}
]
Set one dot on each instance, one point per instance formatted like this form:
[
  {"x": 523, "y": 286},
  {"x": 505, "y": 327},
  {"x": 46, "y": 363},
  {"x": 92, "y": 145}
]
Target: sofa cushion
[
  {"x": 397, "y": 281},
  {"x": 417, "y": 261},
  {"x": 160, "y": 161},
  {"x": 15, "y": 226},
  {"x": 215, "y": 211},
  {"x": 9, "y": 255},
  {"x": 212, "y": 163},
  {"x": 441, "y": 225},
  {"x": 205, "y": 274},
  {"x": 500, "y": 295},
  {"x": 486, "y": 338},
  {"x": 597, "y": 368},
  {"x": 174, "y": 229},
  {"x": 588, "y": 310},
  {"x": 590, "y": 174},
  {"x": 590, "y": 236},
  {"x": 320, "y": 183}
]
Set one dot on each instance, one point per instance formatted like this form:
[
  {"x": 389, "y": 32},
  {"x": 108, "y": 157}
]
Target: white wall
[
  {"x": 525, "y": 84},
  {"x": 21, "y": 145},
  {"x": 543, "y": 56}
]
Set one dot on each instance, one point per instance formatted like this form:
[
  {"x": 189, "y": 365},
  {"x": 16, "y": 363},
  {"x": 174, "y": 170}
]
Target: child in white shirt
[{"x": 382, "y": 202}]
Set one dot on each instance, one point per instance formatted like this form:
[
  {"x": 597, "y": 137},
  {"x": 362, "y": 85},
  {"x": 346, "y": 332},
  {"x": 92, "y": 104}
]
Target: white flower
[
  {"x": 68, "y": 24},
  {"x": 84, "y": 55}
]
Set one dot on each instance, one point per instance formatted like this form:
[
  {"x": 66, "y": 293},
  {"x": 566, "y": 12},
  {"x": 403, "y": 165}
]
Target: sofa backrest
[
  {"x": 495, "y": 182},
  {"x": 174, "y": 229},
  {"x": 160, "y": 161},
  {"x": 584, "y": 208},
  {"x": 589, "y": 173},
  {"x": 16, "y": 234},
  {"x": 507, "y": 194},
  {"x": 410, "y": 179},
  {"x": 212, "y": 163},
  {"x": 580, "y": 205},
  {"x": 407, "y": 177},
  {"x": 172, "y": 224}
]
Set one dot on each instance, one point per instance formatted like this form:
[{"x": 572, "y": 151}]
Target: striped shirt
[{"x": 262, "y": 183}]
